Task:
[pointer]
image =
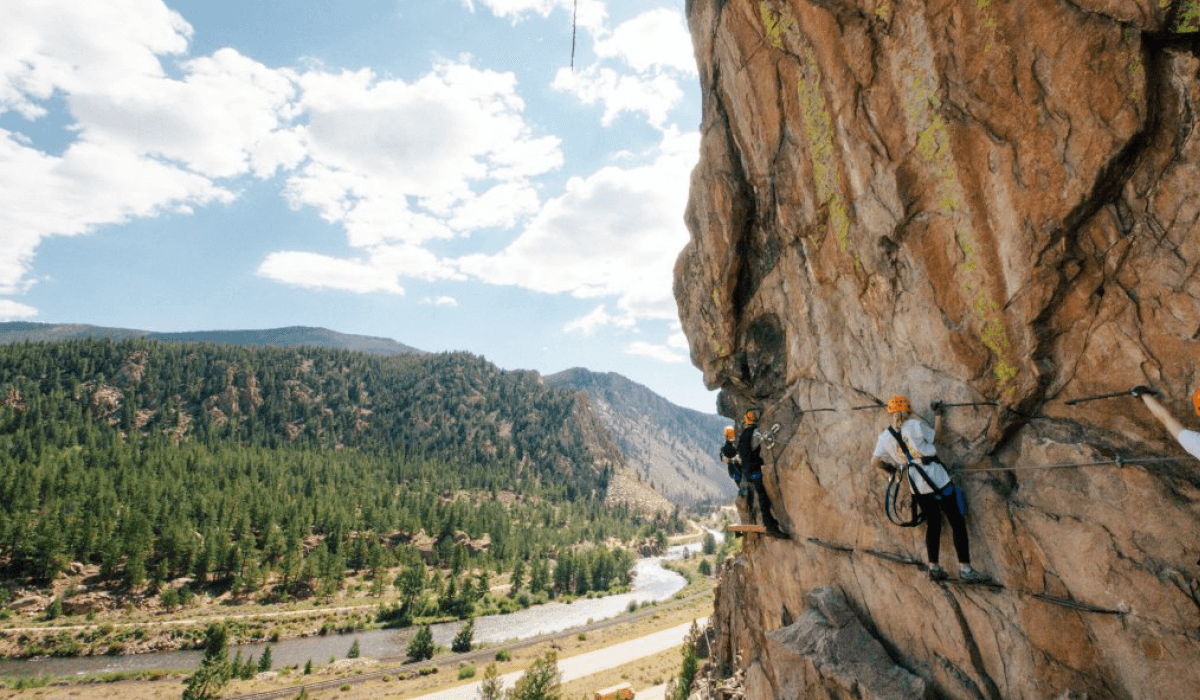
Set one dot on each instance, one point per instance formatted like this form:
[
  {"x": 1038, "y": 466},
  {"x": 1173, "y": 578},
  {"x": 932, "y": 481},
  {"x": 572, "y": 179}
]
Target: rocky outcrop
[{"x": 973, "y": 202}]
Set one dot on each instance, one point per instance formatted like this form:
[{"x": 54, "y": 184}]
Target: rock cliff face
[{"x": 970, "y": 201}]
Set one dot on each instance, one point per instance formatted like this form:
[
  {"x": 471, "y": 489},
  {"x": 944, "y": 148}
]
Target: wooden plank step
[{"x": 746, "y": 528}]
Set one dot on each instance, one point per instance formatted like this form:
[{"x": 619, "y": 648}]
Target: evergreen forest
[{"x": 280, "y": 470}]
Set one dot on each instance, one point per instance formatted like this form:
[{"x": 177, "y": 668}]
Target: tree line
[{"x": 237, "y": 466}]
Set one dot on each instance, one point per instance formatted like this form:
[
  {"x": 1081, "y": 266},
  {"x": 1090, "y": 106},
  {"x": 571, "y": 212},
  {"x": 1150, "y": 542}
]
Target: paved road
[{"x": 591, "y": 662}]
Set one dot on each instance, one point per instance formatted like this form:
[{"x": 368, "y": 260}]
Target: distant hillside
[
  {"x": 235, "y": 464},
  {"x": 671, "y": 447},
  {"x": 291, "y": 336}
]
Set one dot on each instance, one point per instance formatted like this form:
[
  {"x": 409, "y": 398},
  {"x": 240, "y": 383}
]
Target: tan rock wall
[{"x": 965, "y": 200}]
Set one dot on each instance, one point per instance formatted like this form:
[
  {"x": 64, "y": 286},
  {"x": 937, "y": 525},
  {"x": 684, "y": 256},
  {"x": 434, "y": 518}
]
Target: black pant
[
  {"x": 933, "y": 509},
  {"x": 759, "y": 492}
]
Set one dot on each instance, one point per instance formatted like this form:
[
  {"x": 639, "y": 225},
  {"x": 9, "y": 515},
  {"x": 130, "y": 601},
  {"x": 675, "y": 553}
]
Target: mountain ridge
[
  {"x": 285, "y": 336},
  {"x": 672, "y": 447},
  {"x": 678, "y": 444}
]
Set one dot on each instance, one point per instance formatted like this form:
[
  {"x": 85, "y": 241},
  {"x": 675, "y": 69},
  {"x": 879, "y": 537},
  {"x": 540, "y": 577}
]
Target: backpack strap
[{"x": 914, "y": 463}]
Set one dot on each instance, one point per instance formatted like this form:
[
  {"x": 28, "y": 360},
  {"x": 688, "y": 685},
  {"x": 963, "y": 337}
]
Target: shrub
[
  {"x": 420, "y": 647},
  {"x": 503, "y": 654},
  {"x": 462, "y": 640},
  {"x": 466, "y": 671}
]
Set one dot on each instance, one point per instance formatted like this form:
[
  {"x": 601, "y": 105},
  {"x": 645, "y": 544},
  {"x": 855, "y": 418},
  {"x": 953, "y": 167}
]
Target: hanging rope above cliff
[{"x": 574, "y": 21}]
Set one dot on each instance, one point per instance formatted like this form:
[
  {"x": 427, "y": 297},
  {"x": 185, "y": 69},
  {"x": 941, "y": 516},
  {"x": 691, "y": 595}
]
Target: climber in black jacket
[{"x": 750, "y": 453}]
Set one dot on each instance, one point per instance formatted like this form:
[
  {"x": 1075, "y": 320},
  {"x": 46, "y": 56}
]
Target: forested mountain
[
  {"x": 239, "y": 464},
  {"x": 671, "y": 447},
  {"x": 292, "y": 336}
]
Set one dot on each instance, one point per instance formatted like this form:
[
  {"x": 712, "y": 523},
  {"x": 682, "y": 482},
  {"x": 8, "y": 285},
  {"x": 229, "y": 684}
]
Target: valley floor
[{"x": 641, "y": 648}]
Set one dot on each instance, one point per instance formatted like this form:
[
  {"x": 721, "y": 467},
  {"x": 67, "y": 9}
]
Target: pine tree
[
  {"x": 354, "y": 651},
  {"x": 490, "y": 688},
  {"x": 420, "y": 647},
  {"x": 264, "y": 661},
  {"x": 208, "y": 680},
  {"x": 463, "y": 640},
  {"x": 542, "y": 681}
]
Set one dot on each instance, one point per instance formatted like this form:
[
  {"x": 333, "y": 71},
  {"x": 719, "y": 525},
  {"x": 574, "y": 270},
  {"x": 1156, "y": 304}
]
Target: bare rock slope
[{"x": 969, "y": 201}]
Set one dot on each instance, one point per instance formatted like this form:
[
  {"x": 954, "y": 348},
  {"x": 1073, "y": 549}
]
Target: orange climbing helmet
[
  {"x": 1196, "y": 401},
  {"x": 729, "y": 432},
  {"x": 899, "y": 403},
  {"x": 752, "y": 416}
]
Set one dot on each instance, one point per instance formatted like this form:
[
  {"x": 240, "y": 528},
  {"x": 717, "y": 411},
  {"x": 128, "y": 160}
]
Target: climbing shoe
[
  {"x": 776, "y": 532},
  {"x": 969, "y": 575},
  {"x": 937, "y": 573}
]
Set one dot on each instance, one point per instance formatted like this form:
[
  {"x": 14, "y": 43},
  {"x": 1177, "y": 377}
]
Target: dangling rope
[
  {"x": 890, "y": 506},
  {"x": 574, "y": 18}
]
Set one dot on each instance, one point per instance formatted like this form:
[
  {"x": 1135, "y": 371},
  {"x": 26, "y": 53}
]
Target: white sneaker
[{"x": 968, "y": 575}]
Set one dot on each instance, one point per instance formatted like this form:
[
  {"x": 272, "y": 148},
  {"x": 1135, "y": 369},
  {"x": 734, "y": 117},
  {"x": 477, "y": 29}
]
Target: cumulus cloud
[
  {"x": 440, "y": 301},
  {"x": 588, "y": 14},
  {"x": 315, "y": 271},
  {"x": 143, "y": 141},
  {"x": 400, "y": 164},
  {"x": 653, "y": 40},
  {"x": 657, "y": 47},
  {"x": 615, "y": 233},
  {"x": 662, "y": 353},
  {"x": 599, "y": 317},
  {"x": 11, "y": 310}
]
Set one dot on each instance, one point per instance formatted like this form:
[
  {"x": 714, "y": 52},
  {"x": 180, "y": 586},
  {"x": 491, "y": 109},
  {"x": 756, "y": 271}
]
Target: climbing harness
[
  {"x": 769, "y": 438},
  {"x": 892, "y": 492},
  {"x": 890, "y": 506}
]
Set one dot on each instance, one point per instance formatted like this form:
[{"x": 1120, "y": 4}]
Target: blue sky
[{"x": 432, "y": 171}]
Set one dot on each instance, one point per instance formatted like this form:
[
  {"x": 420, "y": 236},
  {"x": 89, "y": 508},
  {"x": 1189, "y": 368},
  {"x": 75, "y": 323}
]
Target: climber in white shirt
[
  {"x": 1189, "y": 439},
  {"x": 931, "y": 485}
]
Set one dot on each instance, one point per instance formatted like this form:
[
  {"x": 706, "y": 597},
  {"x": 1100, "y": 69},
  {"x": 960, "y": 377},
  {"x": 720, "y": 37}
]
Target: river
[{"x": 651, "y": 583}]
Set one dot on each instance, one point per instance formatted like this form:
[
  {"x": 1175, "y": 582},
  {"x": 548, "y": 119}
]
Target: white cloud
[
  {"x": 141, "y": 142},
  {"x": 588, "y": 14},
  {"x": 315, "y": 271},
  {"x": 662, "y": 353},
  {"x": 75, "y": 47},
  {"x": 11, "y": 310},
  {"x": 212, "y": 121},
  {"x": 653, "y": 40},
  {"x": 657, "y": 47},
  {"x": 654, "y": 96},
  {"x": 440, "y": 301},
  {"x": 597, "y": 318},
  {"x": 86, "y": 187},
  {"x": 616, "y": 233},
  {"x": 398, "y": 164}
]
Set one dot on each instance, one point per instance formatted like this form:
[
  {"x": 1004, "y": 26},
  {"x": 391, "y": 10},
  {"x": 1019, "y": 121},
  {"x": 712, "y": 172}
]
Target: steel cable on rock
[{"x": 1119, "y": 461}]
